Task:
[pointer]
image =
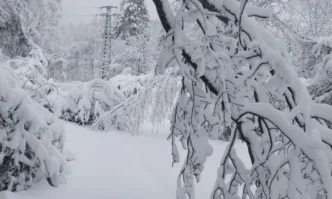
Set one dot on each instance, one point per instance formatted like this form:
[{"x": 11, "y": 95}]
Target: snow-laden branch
[
  {"x": 31, "y": 142},
  {"x": 238, "y": 68},
  {"x": 303, "y": 143},
  {"x": 149, "y": 98}
]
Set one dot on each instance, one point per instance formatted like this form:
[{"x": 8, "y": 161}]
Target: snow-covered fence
[{"x": 31, "y": 140}]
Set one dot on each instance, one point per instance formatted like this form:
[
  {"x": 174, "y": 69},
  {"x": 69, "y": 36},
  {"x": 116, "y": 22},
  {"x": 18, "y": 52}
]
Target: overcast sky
[{"x": 76, "y": 11}]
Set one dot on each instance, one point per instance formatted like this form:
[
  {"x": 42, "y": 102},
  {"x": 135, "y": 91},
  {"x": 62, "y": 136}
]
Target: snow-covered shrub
[
  {"x": 120, "y": 103},
  {"x": 81, "y": 102},
  {"x": 31, "y": 140},
  {"x": 238, "y": 76},
  {"x": 30, "y": 71},
  {"x": 149, "y": 98},
  {"x": 129, "y": 84}
]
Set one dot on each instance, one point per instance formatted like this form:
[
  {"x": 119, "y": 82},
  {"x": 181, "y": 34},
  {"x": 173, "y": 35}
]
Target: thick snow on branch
[
  {"x": 125, "y": 102},
  {"x": 31, "y": 141},
  {"x": 81, "y": 102},
  {"x": 30, "y": 71},
  {"x": 148, "y": 98},
  {"x": 254, "y": 11},
  {"x": 237, "y": 78}
]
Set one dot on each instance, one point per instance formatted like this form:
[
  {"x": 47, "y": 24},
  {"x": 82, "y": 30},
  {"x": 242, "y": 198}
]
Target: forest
[{"x": 219, "y": 99}]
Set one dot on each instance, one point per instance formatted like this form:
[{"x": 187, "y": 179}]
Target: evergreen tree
[
  {"x": 134, "y": 19},
  {"x": 31, "y": 141},
  {"x": 136, "y": 57}
]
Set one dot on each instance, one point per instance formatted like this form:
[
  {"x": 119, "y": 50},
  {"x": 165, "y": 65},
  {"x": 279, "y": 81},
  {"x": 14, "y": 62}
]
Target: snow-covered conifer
[
  {"x": 31, "y": 140},
  {"x": 134, "y": 19},
  {"x": 136, "y": 56}
]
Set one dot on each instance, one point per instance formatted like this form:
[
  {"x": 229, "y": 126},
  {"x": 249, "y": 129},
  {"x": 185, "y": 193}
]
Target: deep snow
[{"x": 117, "y": 165}]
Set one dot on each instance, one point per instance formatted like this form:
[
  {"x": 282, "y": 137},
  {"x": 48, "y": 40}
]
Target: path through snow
[{"x": 118, "y": 165}]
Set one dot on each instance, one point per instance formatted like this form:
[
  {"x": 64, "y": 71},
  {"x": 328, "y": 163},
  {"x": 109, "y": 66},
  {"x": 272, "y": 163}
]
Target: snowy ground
[{"x": 118, "y": 165}]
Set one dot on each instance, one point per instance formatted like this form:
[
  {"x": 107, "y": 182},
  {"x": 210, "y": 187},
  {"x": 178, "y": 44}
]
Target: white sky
[{"x": 76, "y": 11}]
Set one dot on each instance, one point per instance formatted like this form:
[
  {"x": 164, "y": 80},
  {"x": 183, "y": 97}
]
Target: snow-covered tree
[
  {"x": 31, "y": 141},
  {"x": 239, "y": 78},
  {"x": 41, "y": 21},
  {"x": 29, "y": 72},
  {"x": 80, "y": 102},
  {"x": 136, "y": 56},
  {"x": 306, "y": 27},
  {"x": 302, "y": 24},
  {"x": 133, "y": 19},
  {"x": 82, "y": 47},
  {"x": 149, "y": 98},
  {"x": 25, "y": 24},
  {"x": 133, "y": 26},
  {"x": 13, "y": 39},
  {"x": 58, "y": 69},
  {"x": 320, "y": 86}
]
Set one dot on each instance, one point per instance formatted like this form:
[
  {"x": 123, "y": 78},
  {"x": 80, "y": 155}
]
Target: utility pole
[{"x": 107, "y": 48}]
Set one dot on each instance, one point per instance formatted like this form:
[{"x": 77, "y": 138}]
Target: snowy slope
[{"x": 118, "y": 165}]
